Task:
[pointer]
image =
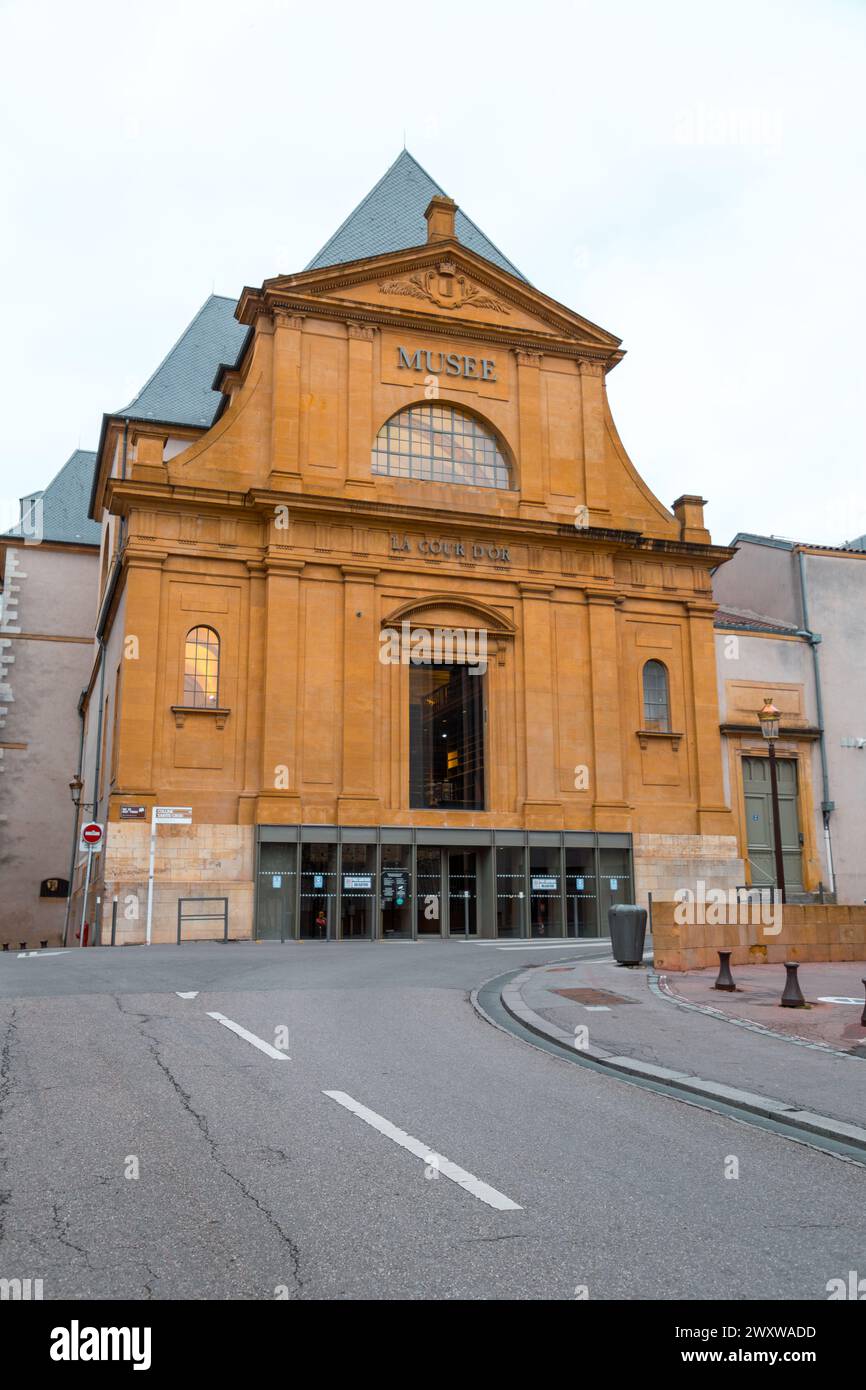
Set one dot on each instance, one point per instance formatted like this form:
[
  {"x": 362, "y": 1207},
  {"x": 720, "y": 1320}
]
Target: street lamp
[{"x": 768, "y": 718}]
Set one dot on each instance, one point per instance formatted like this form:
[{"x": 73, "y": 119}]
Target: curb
[{"x": 686, "y": 1082}]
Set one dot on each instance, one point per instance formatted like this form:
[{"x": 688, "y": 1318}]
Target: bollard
[
  {"x": 724, "y": 979},
  {"x": 863, "y": 1015},
  {"x": 792, "y": 996}
]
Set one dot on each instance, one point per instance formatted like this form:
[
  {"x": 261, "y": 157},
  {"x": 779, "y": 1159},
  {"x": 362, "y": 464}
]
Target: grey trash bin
[{"x": 627, "y": 925}]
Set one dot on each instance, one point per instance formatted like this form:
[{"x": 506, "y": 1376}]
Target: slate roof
[
  {"x": 391, "y": 218},
  {"x": 65, "y": 504},
  {"x": 180, "y": 392},
  {"x": 745, "y": 621},
  {"x": 855, "y": 547}
]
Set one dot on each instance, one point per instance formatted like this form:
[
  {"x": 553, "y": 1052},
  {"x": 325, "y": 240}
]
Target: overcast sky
[{"x": 689, "y": 176}]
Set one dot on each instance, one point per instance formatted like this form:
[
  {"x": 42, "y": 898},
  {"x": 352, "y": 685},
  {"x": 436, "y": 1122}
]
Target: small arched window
[
  {"x": 201, "y": 668},
  {"x": 440, "y": 444},
  {"x": 656, "y": 697}
]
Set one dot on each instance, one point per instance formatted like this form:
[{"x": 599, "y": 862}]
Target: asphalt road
[{"x": 397, "y": 1146}]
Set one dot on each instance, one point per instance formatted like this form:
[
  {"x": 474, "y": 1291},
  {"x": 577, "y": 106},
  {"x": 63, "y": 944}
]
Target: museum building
[{"x": 385, "y": 603}]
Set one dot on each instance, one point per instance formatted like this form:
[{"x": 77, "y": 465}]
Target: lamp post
[
  {"x": 768, "y": 717},
  {"x": 76, "y": 787}
]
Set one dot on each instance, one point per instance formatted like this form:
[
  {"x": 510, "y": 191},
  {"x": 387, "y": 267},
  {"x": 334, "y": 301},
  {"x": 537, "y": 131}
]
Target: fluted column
[
  {"x": 360, "y": 407},
  {"x": 279, "y": 801},
  {"x": 286, "y": 403},
  {"x": 608, "y": 771},
  {"x": 714, "y": 818},
  {"x": 542, "y": 806},
  {"x": 359, "y": 802},
  {"x": 532, "y": 480},
  {"x": 592, "y": 403}
]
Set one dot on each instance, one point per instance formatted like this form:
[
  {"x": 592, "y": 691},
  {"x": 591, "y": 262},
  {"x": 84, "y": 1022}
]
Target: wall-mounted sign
[
  {"x": 54, "y": 888},
  {"x": 133, "y": 812},
  {"x": 453, "y": 549},
  {"x": 356, "y": 881},
  {"x": 545, "y": 885},
  {"x": 446, "y": 364},
  {"x": 172, "y": 815},
  {"x": 318, "y": 880}
]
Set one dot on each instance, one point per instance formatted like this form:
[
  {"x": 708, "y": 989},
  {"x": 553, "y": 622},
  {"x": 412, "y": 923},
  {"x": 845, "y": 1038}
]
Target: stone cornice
[{"x": 383, "y": 316}]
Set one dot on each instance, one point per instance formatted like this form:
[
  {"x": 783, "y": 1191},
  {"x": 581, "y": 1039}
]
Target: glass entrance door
[
  {"x": 462, "y": 893},
  {"x": 428, "y": 893}
]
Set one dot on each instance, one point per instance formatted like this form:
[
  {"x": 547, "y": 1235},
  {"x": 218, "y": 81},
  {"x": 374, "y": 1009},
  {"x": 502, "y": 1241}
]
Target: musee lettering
[{"x": 447, "y": 364}]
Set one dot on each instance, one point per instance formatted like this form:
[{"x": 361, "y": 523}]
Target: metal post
[
  {"x": 792, "y": 997},
  {"x": 150, "y": 877},
  {"x": 863, "y": 1015},
  {"x": 777, "y": 827},
  {"x": 466, "y": 913},
  {"x": 724, "y": 979},
  {"x": 84, "y": 895},
  {"x": 113, "y": 919}
]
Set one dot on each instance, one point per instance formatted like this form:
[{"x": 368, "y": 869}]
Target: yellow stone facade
[{"x": 271, "y": 528}]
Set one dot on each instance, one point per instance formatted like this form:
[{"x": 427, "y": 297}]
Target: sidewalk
[
  {"x": 759, "y": 988},
  {"x": 811, "y": 1061}
]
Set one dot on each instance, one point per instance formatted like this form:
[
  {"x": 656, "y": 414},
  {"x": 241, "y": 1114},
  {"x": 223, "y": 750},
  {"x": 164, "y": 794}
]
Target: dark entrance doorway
[{"x": 462, "y": 893}]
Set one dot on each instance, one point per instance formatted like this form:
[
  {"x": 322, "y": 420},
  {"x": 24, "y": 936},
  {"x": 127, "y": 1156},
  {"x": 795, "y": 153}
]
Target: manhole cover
[{"x": 593, "y": 996}]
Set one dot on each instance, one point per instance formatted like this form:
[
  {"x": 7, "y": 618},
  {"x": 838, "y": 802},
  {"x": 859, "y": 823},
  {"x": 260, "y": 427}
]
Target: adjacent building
[
  {"x": 385, "y": 603},
  {"x": 792, "y": 625},
  {"x": 49, "y": 565}
]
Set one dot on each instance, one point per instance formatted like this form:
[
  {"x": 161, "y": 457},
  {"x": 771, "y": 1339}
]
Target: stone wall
[
  {"x": 665, "y": 864},
  {"x": 801, "y": 932},
  {"x": 192, "y": 861}
]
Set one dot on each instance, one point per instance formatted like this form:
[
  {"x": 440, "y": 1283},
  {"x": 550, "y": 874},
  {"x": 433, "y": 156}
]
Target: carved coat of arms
[{"x": 444, "y": 288}]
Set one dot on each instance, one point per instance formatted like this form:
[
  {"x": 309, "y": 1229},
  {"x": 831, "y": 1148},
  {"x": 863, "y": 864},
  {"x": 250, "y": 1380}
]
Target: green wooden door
[{"x": 759, "y": 822}]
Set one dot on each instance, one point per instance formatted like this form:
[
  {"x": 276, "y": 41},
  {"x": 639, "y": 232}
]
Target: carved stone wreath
[{"x": 444, "y": 288}]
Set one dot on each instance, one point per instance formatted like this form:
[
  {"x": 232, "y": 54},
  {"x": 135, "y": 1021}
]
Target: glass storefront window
[
  {"x": 581, "y": 898},
  {"x": 428, "y": 867},
  {"x": 615, "y": 881},
  {"x": 318, "y": 892},
  {"x": 545, "y": 900},
  {"x": 275, "y": 919},
  {"x": 358, "y": 896},
  {"x": 446, "y": 738},
  {"x": 396, "y": 892},
  {"x": 510, "y": 890}
]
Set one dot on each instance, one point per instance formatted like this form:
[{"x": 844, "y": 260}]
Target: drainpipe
[
  {"x": 75, "y": 821},
  {"x": 814, "y": 639}
]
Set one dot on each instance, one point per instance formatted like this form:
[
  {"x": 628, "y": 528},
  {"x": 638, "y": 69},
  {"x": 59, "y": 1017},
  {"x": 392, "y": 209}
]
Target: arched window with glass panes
[
  {"x": 656, "y": 698},
  {"x": 439, "y": 443},
  {"x": 201, "y": 668}
]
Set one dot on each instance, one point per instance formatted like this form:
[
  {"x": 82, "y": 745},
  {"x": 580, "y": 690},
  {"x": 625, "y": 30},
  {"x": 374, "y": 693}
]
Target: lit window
[
  {"x": 201, "y": 668},
  {"x": 656, "y": 704},
  {"x": 438, "y": 444}
]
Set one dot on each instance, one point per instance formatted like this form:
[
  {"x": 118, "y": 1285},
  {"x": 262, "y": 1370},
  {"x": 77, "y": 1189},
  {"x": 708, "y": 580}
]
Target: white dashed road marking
[
  {"x": 188, "y": 994},
  {"x": 251, "y": 1038},
  {"x": 478, "y": 1189}
]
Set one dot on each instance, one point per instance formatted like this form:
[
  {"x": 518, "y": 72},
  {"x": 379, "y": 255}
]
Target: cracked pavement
[{"x": 251, "y": 1184}]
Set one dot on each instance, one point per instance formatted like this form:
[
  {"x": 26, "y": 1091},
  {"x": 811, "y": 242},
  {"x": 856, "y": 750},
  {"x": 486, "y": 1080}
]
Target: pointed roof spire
[{"x": 392, "y": 218}]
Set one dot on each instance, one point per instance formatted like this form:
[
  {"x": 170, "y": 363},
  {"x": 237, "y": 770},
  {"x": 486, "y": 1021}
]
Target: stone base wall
[
  {"x": 796, "y": 931},
  {"x": 192, "y": 861},
  {"x": 666, "y": 864}
]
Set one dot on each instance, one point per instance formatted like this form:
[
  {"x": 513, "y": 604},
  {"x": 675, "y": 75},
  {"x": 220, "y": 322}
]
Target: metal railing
[{"x": 183, "y": 916}]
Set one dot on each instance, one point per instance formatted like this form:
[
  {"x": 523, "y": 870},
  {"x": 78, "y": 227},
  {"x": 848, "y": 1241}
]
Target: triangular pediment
[{"x": 441, "y": 283}]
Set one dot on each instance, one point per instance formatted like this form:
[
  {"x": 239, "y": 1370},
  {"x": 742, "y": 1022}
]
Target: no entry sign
[{"x": 91, "y": 835}]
